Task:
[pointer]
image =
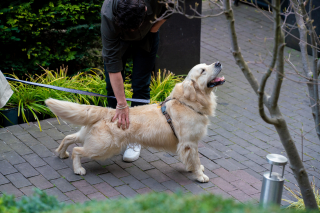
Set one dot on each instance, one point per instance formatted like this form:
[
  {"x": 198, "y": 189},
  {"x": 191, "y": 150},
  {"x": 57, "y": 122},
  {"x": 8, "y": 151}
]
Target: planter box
[
  {"x": 179, "y": 48},
  {"x": 11, "y": 114}
]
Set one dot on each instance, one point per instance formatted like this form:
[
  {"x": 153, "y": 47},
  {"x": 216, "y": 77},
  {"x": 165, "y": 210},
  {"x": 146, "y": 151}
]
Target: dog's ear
[{"x": 189, "y": 91}]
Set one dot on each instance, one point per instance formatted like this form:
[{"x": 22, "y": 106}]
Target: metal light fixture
[{"x": 272, "y": 184}]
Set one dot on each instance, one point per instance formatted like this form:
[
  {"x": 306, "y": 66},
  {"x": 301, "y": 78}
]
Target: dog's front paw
[
  {"x": 80, "y": 171},
  {"x": 64, "y": 155},
  {"x": 202, "y": 167},
  {"x": 203, "y": 178}
]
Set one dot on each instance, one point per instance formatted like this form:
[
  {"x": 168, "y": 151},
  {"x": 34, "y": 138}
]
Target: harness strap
[{"x": 164, "y": 112}]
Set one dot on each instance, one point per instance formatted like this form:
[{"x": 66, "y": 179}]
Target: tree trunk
[{"x": 271, "y": 102}]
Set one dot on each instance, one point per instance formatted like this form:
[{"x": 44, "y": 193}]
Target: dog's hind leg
[
  {"x": 77, "y": 153},
  {"x": 188, "y": 153},
  {"x": 67, "y": 141}
]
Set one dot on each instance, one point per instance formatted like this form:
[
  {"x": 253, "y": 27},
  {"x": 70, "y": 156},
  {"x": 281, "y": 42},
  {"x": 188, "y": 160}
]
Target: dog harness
[{"x": 169, "y": 120}]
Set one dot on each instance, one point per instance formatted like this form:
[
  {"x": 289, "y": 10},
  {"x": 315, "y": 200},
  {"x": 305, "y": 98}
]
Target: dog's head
[
  {"x": 197, "y": 88},
  {"x": 204, "y": 78}
]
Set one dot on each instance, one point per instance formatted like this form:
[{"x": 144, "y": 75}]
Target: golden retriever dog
[{"x": 192, "y": 101}]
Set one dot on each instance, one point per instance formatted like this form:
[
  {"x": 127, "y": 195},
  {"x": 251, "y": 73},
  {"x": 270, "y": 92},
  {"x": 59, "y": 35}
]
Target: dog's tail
[{"x": 76, "y": 113}]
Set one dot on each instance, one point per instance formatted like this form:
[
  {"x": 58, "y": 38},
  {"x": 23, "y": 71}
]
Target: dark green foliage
[
  {"x": 177, "y": 203},
  {"x": 153, "y": 203},
  {"x": 48, "y": 33},
  {"x": 38, "y": 202}
]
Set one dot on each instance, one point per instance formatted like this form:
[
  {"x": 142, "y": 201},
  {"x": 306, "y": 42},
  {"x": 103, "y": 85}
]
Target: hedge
[
  {"x": 153, "y": 203},
  {"x": 49, "y": 33}
]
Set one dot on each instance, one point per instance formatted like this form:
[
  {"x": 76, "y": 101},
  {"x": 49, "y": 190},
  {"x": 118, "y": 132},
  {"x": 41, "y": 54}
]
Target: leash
[{"x": 75, "y": 91}]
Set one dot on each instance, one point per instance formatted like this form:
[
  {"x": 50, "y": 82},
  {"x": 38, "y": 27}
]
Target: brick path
[{"x": 233, "y": 153}]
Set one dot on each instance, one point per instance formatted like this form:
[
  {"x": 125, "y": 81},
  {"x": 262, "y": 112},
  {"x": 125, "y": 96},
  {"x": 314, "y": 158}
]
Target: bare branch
[{"x": 277, "y": 35}]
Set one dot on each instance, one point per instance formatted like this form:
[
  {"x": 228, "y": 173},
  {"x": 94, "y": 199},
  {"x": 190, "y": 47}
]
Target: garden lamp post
[{"x": 272, "y": 184}]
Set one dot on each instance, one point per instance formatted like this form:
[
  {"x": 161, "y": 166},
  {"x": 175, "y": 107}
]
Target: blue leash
[{"x": 75, "y": 91}]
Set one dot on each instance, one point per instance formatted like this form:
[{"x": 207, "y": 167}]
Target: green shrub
[
  {"x": 153, "y": 203},
  {"x": 38, "y": 202},
  {"x": 48, "y": 33},
  {"x": 177, "y": 203}
]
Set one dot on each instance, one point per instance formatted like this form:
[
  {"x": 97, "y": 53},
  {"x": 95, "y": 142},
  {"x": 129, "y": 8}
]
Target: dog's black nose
[{"x": 217, "y": 64}]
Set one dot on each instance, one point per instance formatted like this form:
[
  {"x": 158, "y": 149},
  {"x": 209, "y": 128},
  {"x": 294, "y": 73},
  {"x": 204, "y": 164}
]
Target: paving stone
[
  {"x": 21, "y": 148},
  {"x": 226, "y": 175},
  {"x": 144, "y": 190},
  {"x": 225, "y": 163},
  {"x": 243, "y": 175},
  {"x": 245, "y": 187},
  {"x": 106, "y": 189},
  {"x": 58, "y": 194},
  {"x": 55, "y": 162},
  {"x": 209, "y": 153},
  {"x": 209, "y": 164},
  {"x": 222, "y": 184},
  {"x": 6, "y": 168},
  {"x": 219, "y": 192},
  {"x": 92, "y": 178},
  {"x": 3, "y": 180},
  {"x": 26, "y": 169},
  {"x": 37, "y": 133},
  {"x": 4, "y": 147},
  {"x": 48, "y": 142},
  {"x": 9, "y": 138},
  {"x": 13, "y": 157},
  {"x": 95, "y": 168},
  {"x": 165, "y": 157},
  {"x": 158, "y": 175},
  {"x": 137, "y": 173},
  {"x": 148, "y": 156},
  {"x": 97, "y": 196},
  {"x": 16, "y": 130},
  {"x": 63, "y": 185},
  {"x": 10, "y": 189},
  {"x": 69, "y": 174},
  {"x": 174, "y": 186},
  {"x": 179, "y": 178},
  {"x": 107, "y": 162},
  {"x": 236, "y": 156},
  {"x": 18, "y": 180},
  {"x": 126, "y": 191},
  {"x": 132, "y": 182},
  {"x": 239, "y": 149},
  {"x": 48, "y": 172},
  {"x": 204, "y": 185},
  {"x": 142, "y": 164},
  {"x": 111, "y": 179},
  {"x": 28, "y": 190},
  {"x": 34, "y": 160},
  {"x": 239, "y": 195},
  {"x": 84, "y": 187},
  {"x": 41, "y": 150},
  {"x": 55, "y": 134},
  {"x": 164, "y": 168},
  {"x": 252, "y": 165},
  {"x": 28, "y": 140},
  {"x": 40, "y": 182},
  {"x": 194, "y": 188},
  {"x": 153, "y": 184},
  {"x": 117, "y": 171}
]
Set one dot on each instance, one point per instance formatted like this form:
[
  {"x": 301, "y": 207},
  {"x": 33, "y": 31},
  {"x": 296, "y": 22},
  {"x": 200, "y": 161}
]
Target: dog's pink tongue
[{"x": 217, "y": 79}]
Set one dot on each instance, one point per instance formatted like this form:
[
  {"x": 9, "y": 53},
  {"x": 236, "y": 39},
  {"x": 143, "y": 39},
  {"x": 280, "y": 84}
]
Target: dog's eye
[{"x": 202, "y": 71}]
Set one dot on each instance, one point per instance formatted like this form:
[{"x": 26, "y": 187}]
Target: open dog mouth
[{"x": 216, "y": 81}]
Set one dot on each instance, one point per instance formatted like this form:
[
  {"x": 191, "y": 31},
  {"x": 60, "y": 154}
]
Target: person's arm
[
  {"x": 157, "y": 25},
  {"x": 118, "y": 89},
  {"x": 112, "y": 58}
]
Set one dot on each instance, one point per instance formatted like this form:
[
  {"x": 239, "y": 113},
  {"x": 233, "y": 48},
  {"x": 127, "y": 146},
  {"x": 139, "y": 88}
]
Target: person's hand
[{"x": 122, "y": 113}]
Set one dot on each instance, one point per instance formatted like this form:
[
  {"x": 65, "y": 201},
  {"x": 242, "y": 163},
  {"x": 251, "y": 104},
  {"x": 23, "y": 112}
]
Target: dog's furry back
[{"x": 76, "y": 113}]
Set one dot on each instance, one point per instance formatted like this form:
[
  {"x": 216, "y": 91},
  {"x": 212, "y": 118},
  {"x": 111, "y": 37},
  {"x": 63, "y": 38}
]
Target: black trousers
[{"x": 143, "y": 65}]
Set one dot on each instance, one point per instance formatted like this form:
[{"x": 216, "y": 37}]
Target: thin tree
[{"x": 269, "y": 101}]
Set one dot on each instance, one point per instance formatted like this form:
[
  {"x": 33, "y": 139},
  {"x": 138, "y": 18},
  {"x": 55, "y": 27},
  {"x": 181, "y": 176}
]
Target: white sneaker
[{"x": 132, "y": 153}]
